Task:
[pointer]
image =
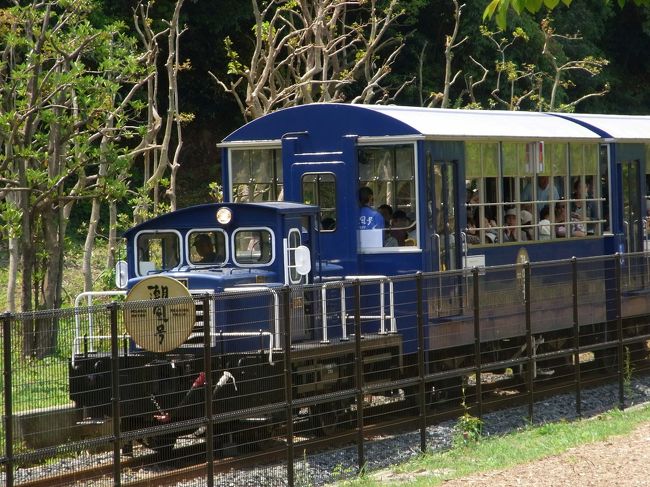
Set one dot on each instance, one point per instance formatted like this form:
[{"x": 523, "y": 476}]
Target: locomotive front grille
[{"x": 198, "y": 330}]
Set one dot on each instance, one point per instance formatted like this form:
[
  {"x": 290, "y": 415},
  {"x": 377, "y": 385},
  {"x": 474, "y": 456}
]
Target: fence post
[
  {"x": 288, "y": 381},
  {"x": 529, "y": 342},
  {"x": 358, "y": 365},
  {"x": 477, "y": 342},
  {"x": 422, "y": 400},
  {"x": 576, "y": 336},
  {"x": 619, "y": 334},
  {"x": 8, "y": 416},
  {"x": 207, "y": 365},
  {"x": 115, "y": 394}
]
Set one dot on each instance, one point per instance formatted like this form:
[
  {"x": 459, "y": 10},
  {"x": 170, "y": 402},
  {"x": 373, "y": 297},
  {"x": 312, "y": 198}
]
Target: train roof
[
  {"x": 200, "y": 214},
  {"x": 369, "y": 121},
  {"x": 620, "y": 128}
]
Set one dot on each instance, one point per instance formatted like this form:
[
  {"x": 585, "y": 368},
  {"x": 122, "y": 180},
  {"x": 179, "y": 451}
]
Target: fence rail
[{"x": 280, "y": 369}]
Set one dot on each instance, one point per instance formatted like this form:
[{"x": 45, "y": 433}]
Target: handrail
[
  {"x": 276, "y": 303},
  {"x": 391, "y": 297},
  {"x": 89, "y": 296},
  {"x": 249, "y": 334}
]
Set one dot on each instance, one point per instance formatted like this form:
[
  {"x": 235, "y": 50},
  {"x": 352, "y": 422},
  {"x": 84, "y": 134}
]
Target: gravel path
[{"x": 381, "y": 453}]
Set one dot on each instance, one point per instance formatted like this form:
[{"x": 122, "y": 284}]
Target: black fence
[{"x": 266, "y": 376}]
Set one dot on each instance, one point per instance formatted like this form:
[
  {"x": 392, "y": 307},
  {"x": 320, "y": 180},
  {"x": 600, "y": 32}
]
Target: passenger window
[
  {"x": 482, "y": 172},
  {"x": 207, "y": 247},
  {"x": 320, "y": 189},
  {"x": 253, "y": 247},
  {"x": 157, "y": 252},
  {"x": 256, "y": 175},
  {"x": 387, "y": 196}
]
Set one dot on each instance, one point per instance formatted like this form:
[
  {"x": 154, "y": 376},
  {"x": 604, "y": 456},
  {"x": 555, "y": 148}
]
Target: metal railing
[{"x": 331, "y": 382}]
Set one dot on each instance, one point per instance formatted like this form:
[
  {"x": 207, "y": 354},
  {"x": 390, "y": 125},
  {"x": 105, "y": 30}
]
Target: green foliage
[
  {"x": 10, "y": 217},
  {"x": 498, "y": 9}
]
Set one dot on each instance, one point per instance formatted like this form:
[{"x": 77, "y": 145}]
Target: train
[{"x": 322, "y": 195}]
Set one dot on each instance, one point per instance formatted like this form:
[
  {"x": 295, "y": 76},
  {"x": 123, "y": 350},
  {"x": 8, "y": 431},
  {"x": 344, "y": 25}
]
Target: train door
[
  {"x": 445, "y": 248},
  {"x": 324, "y": 184},
  {"x": 634, "y": 222}
]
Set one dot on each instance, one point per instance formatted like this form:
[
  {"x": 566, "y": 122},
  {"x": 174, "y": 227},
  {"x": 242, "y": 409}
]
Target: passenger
[
  {"x": 399, "y": 227},
  {"x": 545, "y": 191},
  {"x": 544, "y": 224},
  {"x": 205, "y": 249},
  {"x": 510, "y": 230},
  {"x": 581, "y": 210},
  {"x": 412, "y": 235},
  {"x": 473, "y": 237},
  {"x": 560, "y": 220},
  {"x": 527, "y": 232},
  {"x": 577, "y": 229},
  {"x": 386, "y": 211},
  {"x": 369, "y": 218}
]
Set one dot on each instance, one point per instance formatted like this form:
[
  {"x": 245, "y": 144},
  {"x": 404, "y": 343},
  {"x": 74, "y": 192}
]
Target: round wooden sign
[{"x": 161, "y": 327}]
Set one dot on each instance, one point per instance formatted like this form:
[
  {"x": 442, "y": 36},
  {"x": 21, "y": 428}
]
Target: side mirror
[
  {"x": 303, "y": 260},
  {"x": 121, "y": 274}
]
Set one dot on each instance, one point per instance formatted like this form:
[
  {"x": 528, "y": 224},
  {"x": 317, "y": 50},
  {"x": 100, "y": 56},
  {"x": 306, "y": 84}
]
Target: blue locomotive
[{"x": 321, "y": 195}]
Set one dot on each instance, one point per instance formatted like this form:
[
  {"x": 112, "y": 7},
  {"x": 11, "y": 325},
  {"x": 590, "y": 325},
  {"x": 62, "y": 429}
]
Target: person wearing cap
[
  {"x": 205, "y": 249},
  {"x": 509, "y": 232},
  {"x": 526, "y": 222}
]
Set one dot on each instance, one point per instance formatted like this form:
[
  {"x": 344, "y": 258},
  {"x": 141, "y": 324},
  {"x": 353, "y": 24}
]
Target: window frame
[
  {"x": 317, "y": 203},
  {"x": 206, "y": 230},
  {"x": 251, "y": 229},
  {"x": 136, "y": 257},
  {"x": 276, "y": 183},
  {"x": 392, "y": 143}
]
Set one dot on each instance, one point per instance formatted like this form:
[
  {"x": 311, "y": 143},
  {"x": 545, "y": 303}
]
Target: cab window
[
  {"x": 253, "y": 247},
  {"x": 207, "y": 247},
  {"x": 157, "y": 252}
]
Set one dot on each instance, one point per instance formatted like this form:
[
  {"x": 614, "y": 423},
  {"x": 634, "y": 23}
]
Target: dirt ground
[{"x": 619, "y": 461}]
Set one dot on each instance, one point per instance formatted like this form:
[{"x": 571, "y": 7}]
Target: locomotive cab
[{"x": 241, "y": 256}]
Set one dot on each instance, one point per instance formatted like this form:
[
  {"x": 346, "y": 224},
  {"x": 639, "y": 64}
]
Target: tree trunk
[
  {"x": 47, "y": 327},
  {"x": 89, "y": 245},
  {"x": 14, "y": 257},
  {"x": 112, "y": 235}
]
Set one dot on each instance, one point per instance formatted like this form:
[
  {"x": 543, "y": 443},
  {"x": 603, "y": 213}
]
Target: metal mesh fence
[{"x": 262, "y": 377}]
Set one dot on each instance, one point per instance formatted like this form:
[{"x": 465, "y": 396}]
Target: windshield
[
  {"x": 207, "y": 247},
  {"x": 253, "y": 247},
  {"x": 157, "y": 252}
]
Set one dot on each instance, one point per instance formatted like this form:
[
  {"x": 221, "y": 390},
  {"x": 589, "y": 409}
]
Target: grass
[
  {"x": 502, "y": 452},
  {"x": 44, "y": 383}
]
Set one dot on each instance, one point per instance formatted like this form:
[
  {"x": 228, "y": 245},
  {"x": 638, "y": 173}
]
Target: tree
[
  {"x": 316, "y": 51},
  {"x": 499, "y": 8},
  {"x": 68, "y": 89}
]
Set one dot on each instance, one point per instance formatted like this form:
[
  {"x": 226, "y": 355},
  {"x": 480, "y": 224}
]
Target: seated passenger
[
  {"x": 399, "y": 227},
  {"x": 544, "y": 224},
  {"x": 527, "y": 232},
  {"x": 570, "y": 228},
  {"x": 473, "y": 237},
  {"x": 205, "y": 249},
  {"x": 386, "y": 211},
  {"x": 509, "y": 232}
]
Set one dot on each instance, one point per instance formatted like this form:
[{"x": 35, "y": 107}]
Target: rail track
[{"x": 189, "y": 462}]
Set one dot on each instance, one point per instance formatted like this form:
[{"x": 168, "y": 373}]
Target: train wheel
[
  {"x": 161, "y": 444},
  {"x": 324, "y": 419}
]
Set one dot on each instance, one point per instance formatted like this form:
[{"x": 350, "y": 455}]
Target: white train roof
[
  {"x": 486, "y": 124},
  {"x": 621, "y": 128}
]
